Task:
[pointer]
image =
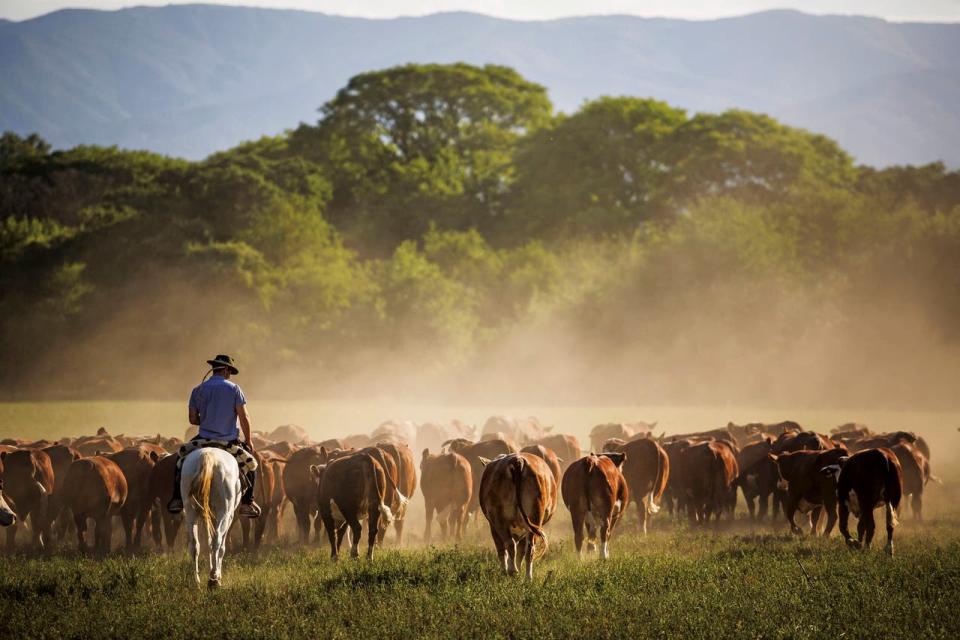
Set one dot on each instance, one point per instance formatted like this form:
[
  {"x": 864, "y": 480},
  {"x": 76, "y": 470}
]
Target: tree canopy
[{"x": 440, "y": 221}]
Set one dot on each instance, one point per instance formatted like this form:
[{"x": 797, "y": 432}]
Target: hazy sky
[{"x": 923, "y": 10}]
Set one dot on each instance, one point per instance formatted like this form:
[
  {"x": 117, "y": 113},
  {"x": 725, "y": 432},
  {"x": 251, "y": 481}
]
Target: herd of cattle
[{"x": 513, "y": 474}]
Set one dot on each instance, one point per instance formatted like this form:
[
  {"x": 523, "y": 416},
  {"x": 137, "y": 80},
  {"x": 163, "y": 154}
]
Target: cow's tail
[
  {"x": 893, "y": 491},
  {"x": 381, "y": 483},
  {"x": 200, "y": 489},
  {"x": 650, "y": 505},
  {"x": 392, "y": 489},
  {"x": 591, "y": 467},
  {"x": 536, "y": 532}
]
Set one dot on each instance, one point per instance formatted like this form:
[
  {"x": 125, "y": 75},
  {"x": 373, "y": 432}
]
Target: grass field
[
  {"x": 671, "y": 584},
  {"x": 739, "y": 582}
]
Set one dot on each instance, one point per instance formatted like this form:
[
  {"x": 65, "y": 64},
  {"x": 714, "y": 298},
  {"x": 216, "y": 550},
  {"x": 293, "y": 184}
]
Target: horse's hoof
[
  {"x": 853, "y": 544},
  {"x": 213, "y": 584}
]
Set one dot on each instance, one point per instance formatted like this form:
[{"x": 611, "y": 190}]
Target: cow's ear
[
  {"x": 316, "y": 470},
  {"x": 483, "y": 461}
]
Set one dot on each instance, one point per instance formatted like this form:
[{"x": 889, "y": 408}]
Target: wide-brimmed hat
[{"x": 223, "y": 361}]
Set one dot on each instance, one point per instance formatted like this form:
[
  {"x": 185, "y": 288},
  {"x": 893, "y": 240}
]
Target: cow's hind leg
[
  {"x": 528, "y": 555},
  {"x": 374, "y": 533},
  {"x": 429, "y": 523},
  {"x": 332, "y": 534},
  {"x": 577, "y": 519},
  {"x": 870, "y": 528},
  {"x": 844, "y": 510},
  {"x": 501, "y": 546},
  {"x": 104, "y": 534},
  {"x": 605, "y": 536},
  {"x": 355, "y": 531},
  {"x": 398, "y": 527},
  {"x": 80, "y": 521},
  {"x": 126, "y": 520},
  {"x": 916, "y": 505},
  {"x": 302, "y": 514},
  {"x": 891, "y": 521}
]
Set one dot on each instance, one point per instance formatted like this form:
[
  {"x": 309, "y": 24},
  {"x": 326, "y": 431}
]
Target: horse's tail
[{"x": 200, "y": 489}]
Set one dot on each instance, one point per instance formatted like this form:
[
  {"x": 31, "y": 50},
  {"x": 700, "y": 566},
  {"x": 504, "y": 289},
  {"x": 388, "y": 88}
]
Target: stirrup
[
  {"x": 250, "y": 509},
  {"x": 175, "y": 505}
]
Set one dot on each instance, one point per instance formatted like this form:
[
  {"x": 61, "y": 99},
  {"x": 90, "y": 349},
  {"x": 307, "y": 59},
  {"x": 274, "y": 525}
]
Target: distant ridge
[{"x": 188, "y": 80}]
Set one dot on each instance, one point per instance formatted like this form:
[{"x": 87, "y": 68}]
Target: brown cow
[
  {"x": 160, "y": 490},
  {"x": 300, "y": 488},
  {"x": 406, "y": 479},
  {"x": 61, "y": 457},
  {"x": 97, "y": 489},
  {"x": 801, "y": 441},
  {"x": 913, "y": 465},
  {"x": 474, "y": 454},
  {"x": 279, "y": 499},
  {"x": 867, "y": 480},
  {"x": 457, "y": 445},
  {"x": 674, "y": 497},
  {"x": 646, "y": 470},
  {"x": 548, "y": 456},
  {"x": 619, "y": 430},
  {"x": 596, "y": 494},
  {"x": 7, "y": 516},
  {"x": 137, "y": 466},
  {"x": 887, "y": 440},
  {"x": 353, "y": 488},
  {"x": 28, "y": 483},
  {"x": 447, "y": 484},
  {"x": 518, "y": 496},
  {"x": 283, "y": 449},
  {"x": 264, "y": 493},
  {"x": 96, "y": 446},
  {"x": 566, "y": 447},
  {"x": 709, "y": 470},
  {"x": 808, "y": 490},
  {"x": 758, "y": 478},
  {"x": 396, "y": 500}
]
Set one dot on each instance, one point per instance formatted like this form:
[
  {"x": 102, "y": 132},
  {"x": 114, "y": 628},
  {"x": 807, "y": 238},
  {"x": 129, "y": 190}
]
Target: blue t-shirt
[{"x": 216, "y": 400}]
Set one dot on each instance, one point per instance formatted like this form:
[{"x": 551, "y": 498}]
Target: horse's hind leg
[
  {"x": 193, "y": 544},
  {"x": 217, "y": 550}
]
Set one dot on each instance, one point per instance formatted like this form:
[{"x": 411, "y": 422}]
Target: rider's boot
[
  {"x": 176, "y": 502},
  {"x": 248, "y": 507}
]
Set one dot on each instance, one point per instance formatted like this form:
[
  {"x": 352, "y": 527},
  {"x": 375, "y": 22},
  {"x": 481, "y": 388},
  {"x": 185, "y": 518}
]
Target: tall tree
[
  {"x": 596, "y": 170},
  {"x": 417, "y": 144}
]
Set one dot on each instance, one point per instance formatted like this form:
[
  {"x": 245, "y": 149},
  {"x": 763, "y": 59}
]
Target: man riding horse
[{"x": 218, "y": 408}]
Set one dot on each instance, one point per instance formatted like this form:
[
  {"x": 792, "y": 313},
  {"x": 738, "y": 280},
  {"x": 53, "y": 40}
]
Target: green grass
[{"x": 671, "y": 584}]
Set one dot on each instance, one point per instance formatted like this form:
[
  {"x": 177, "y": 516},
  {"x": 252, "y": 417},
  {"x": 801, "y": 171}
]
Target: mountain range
[{"x": 188, "y": 80}]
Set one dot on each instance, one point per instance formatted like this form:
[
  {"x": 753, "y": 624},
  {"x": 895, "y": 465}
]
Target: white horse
[{"x": 210, "y": 482}]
